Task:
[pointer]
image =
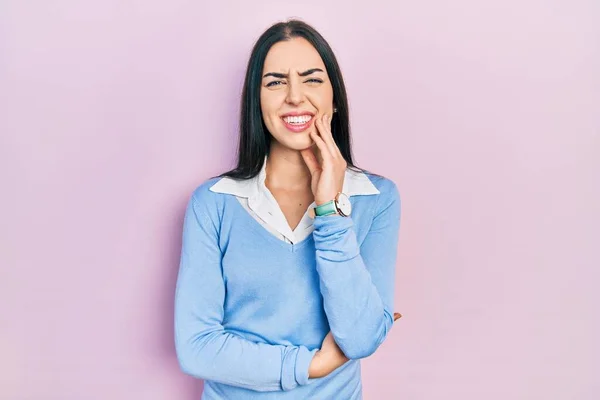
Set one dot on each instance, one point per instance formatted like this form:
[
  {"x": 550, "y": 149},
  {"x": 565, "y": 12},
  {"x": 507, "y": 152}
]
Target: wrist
[
  {"x": 326, "y": 200},
  {"x": 339, "y": 205},
  {"x": 326, "y": 197}
]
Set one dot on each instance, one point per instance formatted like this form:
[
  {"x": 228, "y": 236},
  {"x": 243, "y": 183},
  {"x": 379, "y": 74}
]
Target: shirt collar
[{"x": 355, "y": 184}]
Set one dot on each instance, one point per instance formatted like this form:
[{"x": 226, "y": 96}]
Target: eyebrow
[{"x": 305, "y": 73}]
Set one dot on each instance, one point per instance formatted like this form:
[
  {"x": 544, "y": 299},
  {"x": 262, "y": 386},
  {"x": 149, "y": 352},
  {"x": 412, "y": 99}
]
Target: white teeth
[{"x": 297, "y": 120}]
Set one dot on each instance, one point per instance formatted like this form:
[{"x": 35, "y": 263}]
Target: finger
[
  {"x": 310, "y": 159},
  {"x": 324, "y": 126},
  {"x": 397, "y": 316},
  {"x": 323, "y": 148},
  {"x": 325, "y": 134}
]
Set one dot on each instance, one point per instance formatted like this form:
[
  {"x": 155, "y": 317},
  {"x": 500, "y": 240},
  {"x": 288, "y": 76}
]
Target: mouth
[{"x": 297, "y": 123}]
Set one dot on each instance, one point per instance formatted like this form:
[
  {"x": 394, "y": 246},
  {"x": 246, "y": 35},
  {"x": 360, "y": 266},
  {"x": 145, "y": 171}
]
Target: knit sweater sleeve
[
  {"x": 204, "y": 348},
  {"x": 357, "y": 282}
]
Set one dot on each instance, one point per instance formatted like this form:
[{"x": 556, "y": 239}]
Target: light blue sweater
[{"x": 251, "y": 310}]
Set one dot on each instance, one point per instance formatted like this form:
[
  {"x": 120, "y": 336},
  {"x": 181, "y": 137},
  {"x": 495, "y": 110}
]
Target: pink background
[{"x": 486, "y": 114}]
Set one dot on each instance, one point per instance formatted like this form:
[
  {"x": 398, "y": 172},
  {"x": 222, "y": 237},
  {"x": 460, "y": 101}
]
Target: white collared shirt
[{"x": 260, "y": 203}]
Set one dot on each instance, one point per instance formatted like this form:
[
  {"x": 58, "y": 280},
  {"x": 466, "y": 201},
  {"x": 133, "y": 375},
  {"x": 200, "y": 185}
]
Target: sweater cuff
[
  {"x": 335, "y": 239},
  {"x": 332, "y": 223},
  {"x": 294, "y": 369},
  {"x": 303, "y": 361}
]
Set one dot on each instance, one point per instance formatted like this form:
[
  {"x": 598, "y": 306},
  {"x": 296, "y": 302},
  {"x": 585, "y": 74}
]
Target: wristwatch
[{"x": 340, "y": 205}]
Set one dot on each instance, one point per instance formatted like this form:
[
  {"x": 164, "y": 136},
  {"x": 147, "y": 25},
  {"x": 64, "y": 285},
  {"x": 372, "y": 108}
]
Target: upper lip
[{"x": 297, "y": 114}]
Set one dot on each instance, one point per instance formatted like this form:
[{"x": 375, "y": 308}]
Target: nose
[{"x": 295, "y": 94}]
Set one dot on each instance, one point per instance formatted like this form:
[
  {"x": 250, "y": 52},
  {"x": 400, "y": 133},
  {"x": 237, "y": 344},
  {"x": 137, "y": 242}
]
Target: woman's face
[{"x": 295, "y": 90}]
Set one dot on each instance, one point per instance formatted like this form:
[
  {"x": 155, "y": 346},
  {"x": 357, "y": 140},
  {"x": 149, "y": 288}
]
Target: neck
[{"x": 286, "y": 169}]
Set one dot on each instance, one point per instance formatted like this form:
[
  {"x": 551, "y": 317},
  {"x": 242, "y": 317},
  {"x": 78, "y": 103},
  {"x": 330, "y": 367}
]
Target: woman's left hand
[{"x": 328, "y": 176}]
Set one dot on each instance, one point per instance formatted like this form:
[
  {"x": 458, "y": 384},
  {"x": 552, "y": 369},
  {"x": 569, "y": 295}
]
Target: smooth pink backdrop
[{"x": 486, "y": 114}]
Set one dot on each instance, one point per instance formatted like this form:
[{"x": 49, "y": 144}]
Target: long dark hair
[{"x": 254, "y": 138}]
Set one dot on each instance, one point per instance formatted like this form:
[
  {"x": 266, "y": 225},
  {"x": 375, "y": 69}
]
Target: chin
[{"x": 299, "y": 141}]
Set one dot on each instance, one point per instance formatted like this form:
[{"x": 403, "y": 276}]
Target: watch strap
[{"x": 326, "y": 209}]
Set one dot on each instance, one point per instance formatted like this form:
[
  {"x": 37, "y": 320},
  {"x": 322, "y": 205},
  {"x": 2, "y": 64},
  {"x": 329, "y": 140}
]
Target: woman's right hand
[{"x": 329, "y": 357}]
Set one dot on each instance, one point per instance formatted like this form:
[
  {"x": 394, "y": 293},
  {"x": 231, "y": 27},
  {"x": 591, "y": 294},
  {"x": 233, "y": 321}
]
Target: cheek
[
  {"x": 269, "y": 117},
  {"x": 269, "y": 113},
  {"x": 265, "y": 111},
  {"x": 269, "y": 104},
  {"x": 322, "y": 99}
]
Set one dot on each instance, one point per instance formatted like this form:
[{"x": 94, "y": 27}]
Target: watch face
[{"x": 343, "y": 204}]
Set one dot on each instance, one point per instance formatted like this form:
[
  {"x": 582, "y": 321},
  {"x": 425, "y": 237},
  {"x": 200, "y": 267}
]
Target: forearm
[
  {"x": 224, "y": 357},
  {"x": 360, "y": 322},
  {"x": 204, "y": 348},
  {"x": 357, "y": 281},
  {"x": 356, "y": 313}
]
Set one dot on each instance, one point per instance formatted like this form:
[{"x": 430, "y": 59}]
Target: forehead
[{"x": 294, "y": 54}]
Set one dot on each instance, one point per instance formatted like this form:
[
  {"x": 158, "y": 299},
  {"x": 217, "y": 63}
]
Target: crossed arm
[{"x": 356, "y": 283}]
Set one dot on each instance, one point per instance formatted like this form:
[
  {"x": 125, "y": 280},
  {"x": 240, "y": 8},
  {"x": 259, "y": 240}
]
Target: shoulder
[
  {"x": 387, "y": 202},
  {"x": 202, "y": 196},
  {"x": 202, "y": 191},
  {"x": 388, "y": 189}
]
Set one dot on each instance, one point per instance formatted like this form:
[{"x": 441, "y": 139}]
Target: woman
[{"x": 287, "y": 266}]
